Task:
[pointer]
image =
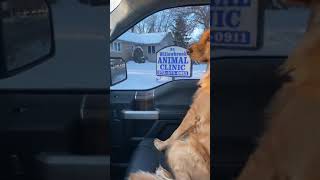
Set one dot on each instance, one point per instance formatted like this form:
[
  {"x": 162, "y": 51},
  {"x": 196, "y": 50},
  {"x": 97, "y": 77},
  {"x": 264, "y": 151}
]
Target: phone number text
[{"x": 231, "y": 37}]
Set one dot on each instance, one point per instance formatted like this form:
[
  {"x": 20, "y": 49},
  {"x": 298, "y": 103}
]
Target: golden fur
[
  {"x": 290, "y": 146},
  {"x": 161, "y": 174},
  {"x": 188, "y": 148}
]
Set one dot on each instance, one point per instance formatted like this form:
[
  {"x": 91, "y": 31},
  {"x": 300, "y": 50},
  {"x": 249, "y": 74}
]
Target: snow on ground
[{"x": 143, "y": 76}]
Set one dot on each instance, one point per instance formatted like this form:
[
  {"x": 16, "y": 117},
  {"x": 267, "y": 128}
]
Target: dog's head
[{"x": 200, "y": 51}]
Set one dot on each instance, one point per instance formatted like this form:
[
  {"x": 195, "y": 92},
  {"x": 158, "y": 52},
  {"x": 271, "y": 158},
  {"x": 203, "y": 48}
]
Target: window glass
[
  {"x": 153, "y": 49},
  {"x": 149, "y": 49},
  {"x": 177, "y": 26},
  {"x": 283, "y": 28},
  {"x": 119, "y": 47}
]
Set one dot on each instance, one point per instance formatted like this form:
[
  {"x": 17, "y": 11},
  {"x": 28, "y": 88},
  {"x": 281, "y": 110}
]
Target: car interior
[
  {"x": 238, "y": 118},
  {"x": 139, "y": 116},
  {"x": 239, "y": 109},
  {"x": 94, "y": 134},
  {"x": 134, "y": 126},
  {"x": 51, "y": 136}
]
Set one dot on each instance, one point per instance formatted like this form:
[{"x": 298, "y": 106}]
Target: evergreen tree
[{"x": 180, "y": 32}]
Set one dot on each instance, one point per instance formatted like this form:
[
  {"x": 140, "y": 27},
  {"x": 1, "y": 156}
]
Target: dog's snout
[{"x": 189, "y": 51}]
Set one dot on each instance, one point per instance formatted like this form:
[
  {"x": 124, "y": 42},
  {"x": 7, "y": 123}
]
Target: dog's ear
[
  {"x": 205, "y": 36},
  {"x": 208, "y": 39}
]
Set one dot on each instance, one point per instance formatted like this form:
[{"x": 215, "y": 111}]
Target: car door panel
[
  {"x": 171, "y": 101},
  {"x": 71, "y": 127}
]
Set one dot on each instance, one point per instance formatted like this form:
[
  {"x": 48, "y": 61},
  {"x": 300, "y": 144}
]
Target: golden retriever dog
[
  {"x": 290, "y": 146},
  {"x": 188, "y": 148}
]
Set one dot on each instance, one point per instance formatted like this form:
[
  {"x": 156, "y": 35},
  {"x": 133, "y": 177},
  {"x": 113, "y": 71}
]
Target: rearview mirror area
[
  {"x": 118, "y": 70},
  {"x": 26, "y": 34}
]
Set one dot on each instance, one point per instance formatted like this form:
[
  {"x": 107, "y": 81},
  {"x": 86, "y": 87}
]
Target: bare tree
[
  {"x": 199, "y": 15},
  {"x": 151, "y": 23},
  {"x": 166, "y": 20},
  {"x": 159, "y": 22}
]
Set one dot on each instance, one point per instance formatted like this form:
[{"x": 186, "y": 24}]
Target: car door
[{"x": 146, "y": 105}]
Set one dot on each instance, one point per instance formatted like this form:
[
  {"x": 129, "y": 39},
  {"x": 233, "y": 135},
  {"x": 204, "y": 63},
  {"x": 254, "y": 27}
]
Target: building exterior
[{"x": 140, "y": 47}]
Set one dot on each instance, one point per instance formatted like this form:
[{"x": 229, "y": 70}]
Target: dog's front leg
[{"x": 188, "y": 122}]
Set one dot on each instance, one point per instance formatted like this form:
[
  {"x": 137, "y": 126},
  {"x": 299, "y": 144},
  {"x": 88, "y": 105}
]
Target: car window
[
  {"x": 138, "y": 46},
  {"x": 282, "y": 30},
  {"x": 79, "y": 60}
]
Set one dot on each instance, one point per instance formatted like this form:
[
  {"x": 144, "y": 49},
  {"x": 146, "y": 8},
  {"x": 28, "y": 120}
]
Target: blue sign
[
  {"x": 173, "y": 61},
  {"x": 235, "y": 23}
]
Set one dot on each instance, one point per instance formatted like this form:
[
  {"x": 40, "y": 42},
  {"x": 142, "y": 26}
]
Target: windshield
[{"x": 281, "y": 32}]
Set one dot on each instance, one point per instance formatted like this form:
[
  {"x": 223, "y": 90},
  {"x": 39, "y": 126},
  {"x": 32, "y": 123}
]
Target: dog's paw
[
  {"x": 160, "y": 145},
  {"x": 163, "y": 173}
]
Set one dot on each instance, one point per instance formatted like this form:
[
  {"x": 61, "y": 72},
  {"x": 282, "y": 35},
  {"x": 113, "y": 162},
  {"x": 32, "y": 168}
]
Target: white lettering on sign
[
  {"x": 235, "y": 23},
  {"x": 173, "y": 61}
]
